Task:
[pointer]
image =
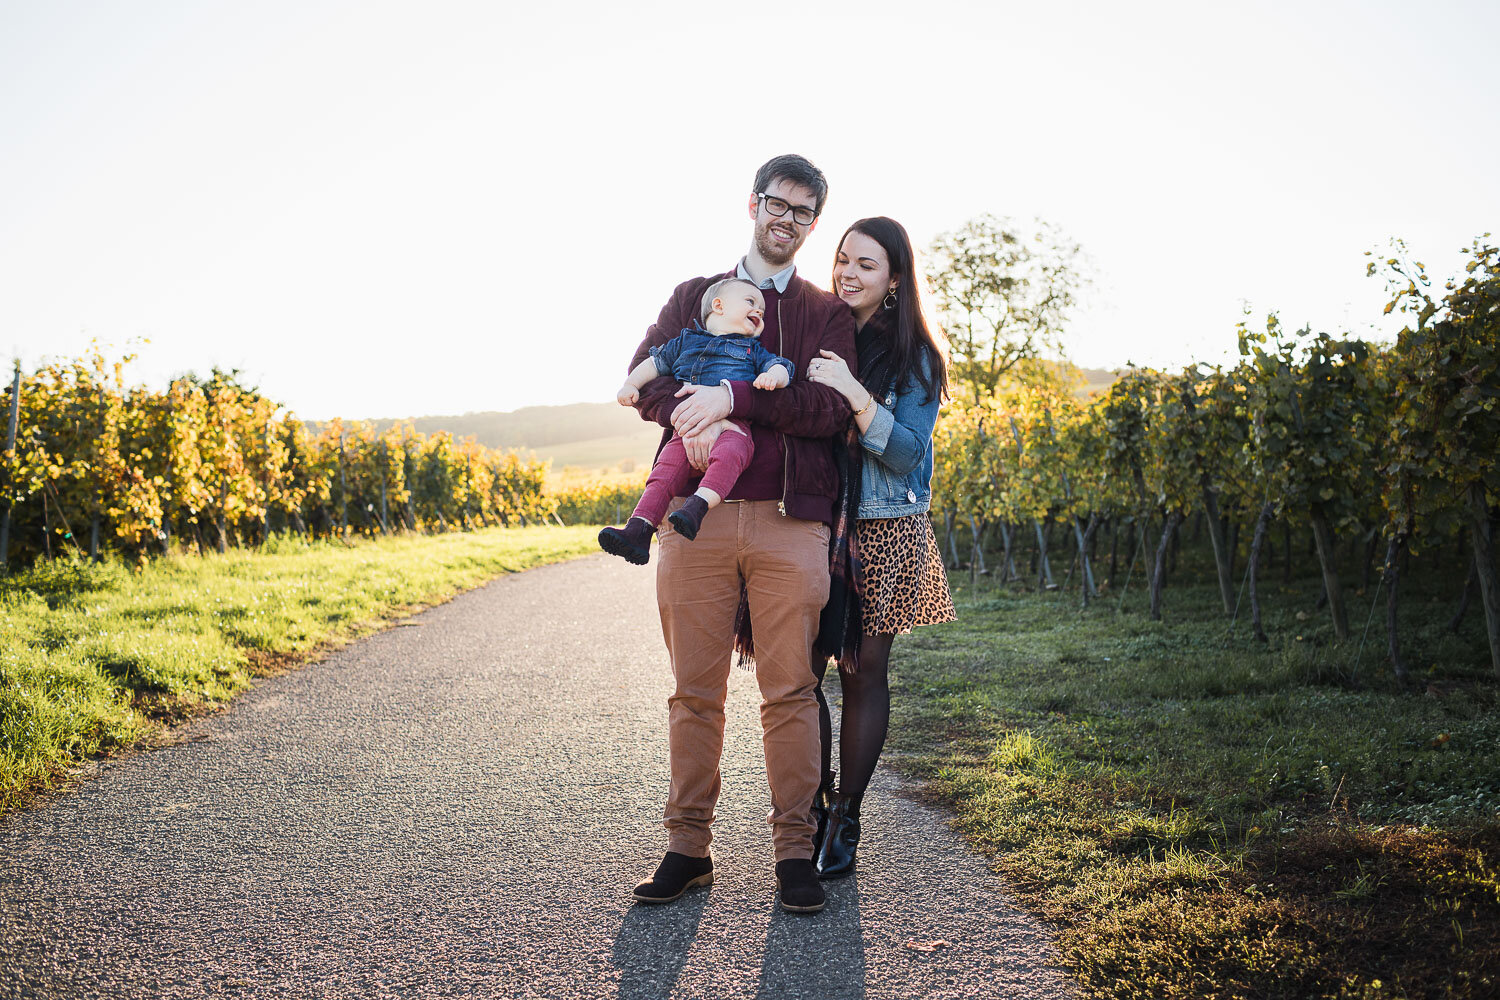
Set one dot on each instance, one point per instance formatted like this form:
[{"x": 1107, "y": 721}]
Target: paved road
[{"x": 458, "y": 807}]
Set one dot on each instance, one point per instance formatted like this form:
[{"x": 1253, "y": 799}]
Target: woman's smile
[{"x": 863, "y": 274}]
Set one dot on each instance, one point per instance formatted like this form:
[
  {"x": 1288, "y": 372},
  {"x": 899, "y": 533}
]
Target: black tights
[{"x": 865, "y": 718}]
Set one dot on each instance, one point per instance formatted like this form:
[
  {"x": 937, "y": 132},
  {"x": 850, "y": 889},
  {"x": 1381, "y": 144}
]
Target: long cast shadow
[
  {"x": 819, "y": 956},
  {"x": 653, "y": 943}
]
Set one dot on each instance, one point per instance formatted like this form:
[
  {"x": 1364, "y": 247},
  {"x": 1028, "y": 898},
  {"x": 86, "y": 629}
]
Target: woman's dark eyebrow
[{"x": 870, "y": 259}]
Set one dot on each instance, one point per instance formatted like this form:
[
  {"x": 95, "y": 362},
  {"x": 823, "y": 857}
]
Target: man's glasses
[{"x": 801, "y": 215}]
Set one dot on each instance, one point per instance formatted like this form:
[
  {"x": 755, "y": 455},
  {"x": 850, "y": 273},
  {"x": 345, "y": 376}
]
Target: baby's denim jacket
[{"x": 700, "y": 358}]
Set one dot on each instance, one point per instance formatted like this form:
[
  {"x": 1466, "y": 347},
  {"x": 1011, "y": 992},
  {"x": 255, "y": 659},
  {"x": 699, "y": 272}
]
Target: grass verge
[
  {"x": 96, "y": 657},
  {"x": 1202, "y": 815}
]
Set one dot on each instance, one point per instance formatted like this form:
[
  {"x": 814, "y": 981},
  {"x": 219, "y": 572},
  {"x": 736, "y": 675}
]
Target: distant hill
[
  {"x": 1097, "y": 379},
  {"x": 602, "y": 437},
  {"x": 591, "y": 437},
  {"x": 533, "y": 426}
]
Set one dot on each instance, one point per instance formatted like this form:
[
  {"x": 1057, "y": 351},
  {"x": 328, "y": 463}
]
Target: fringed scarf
[{"x": 839, "y": 623}]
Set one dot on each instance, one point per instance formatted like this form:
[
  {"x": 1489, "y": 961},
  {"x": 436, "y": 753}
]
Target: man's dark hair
[
  {"x": 796, "y": 169},
  {"x": 706, "y": 304}
]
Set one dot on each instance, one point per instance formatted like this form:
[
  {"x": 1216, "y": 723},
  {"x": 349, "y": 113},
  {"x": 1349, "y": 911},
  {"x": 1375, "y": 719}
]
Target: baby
[{"x": 724, "y": 347}]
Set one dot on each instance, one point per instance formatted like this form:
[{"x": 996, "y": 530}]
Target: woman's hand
[{"x": 833, "y": 371}]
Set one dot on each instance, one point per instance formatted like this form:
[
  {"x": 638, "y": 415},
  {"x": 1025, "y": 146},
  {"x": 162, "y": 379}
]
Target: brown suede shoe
[
  {"x": 676, "y": 874},
  {"x": 801, "y": 892}
]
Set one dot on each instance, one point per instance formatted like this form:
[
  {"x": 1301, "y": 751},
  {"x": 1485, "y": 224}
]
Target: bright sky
[{"x": 392, "y": 209}]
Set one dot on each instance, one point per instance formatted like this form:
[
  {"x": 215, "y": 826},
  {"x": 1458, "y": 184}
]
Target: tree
[{"x": 1002, "y": 294}]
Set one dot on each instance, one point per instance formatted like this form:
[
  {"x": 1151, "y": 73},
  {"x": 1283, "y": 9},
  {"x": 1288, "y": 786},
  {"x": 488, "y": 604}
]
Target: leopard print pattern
[{"x": 904, "y": 583}]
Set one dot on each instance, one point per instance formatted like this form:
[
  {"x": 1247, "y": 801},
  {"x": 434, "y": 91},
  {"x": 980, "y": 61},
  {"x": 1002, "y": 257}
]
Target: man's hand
[
  {"x": 627, "y": 395},
  {"x": 697, "y": 446},
  {"x": 706, "y": 405}
]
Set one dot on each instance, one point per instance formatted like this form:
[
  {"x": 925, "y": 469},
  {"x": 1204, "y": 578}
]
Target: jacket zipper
[{"x": 786, "y": 449}]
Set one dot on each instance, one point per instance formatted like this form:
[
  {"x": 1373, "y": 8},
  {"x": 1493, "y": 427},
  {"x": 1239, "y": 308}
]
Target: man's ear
[{"x": 754, "y": 206}]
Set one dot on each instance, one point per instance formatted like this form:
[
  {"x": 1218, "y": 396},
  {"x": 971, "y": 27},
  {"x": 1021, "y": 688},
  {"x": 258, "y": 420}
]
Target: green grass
[
  {"x": 97, "y": 657},
  {"x": 1204, "y": 815}
]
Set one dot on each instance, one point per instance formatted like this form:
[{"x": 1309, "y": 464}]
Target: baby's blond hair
[{"x": 707, "y": 305}]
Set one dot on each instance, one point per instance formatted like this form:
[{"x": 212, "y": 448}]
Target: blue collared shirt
[{"x": 779, "y": 280}]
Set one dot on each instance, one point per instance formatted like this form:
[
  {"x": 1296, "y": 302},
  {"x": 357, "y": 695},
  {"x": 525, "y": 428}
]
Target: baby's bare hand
[
  {"x": 627, "y": 395},
  {"x": 765, "y": 380}
]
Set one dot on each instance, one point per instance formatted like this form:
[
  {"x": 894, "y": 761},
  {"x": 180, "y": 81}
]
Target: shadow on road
[
  {"x": 653, "y": 945},
  {"x": 820, "y": 956}
]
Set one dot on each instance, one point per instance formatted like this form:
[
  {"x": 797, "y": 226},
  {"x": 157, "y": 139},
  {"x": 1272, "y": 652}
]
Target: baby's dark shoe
[
  {"x": 632, "y": 542},
  {"x": 688, "y": 518}
]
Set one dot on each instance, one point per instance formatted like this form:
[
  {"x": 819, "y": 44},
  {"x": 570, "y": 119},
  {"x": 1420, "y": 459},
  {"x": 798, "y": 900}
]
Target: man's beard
[{"x": 772, "y": 252}]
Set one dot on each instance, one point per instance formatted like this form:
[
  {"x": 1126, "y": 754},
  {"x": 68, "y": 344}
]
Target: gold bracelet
[{"x": 866, "y": 406}]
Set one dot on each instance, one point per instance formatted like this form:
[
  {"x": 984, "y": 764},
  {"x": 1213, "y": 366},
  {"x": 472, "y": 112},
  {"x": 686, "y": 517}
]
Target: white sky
[{"x": 385, "y": 209}]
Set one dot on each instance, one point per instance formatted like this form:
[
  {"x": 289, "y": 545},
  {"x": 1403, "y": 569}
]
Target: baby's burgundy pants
[{"x": 671, "y": 472}]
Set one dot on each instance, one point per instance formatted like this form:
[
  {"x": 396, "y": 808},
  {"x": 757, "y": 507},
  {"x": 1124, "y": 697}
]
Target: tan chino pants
[{"x": 784, "y": 562}]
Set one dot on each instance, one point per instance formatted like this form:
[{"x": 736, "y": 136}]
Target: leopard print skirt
[{"x": 904, "y": 583}]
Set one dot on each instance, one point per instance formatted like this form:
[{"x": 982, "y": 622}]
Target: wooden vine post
[
  {"x": 1089, "y": 589},
  {"x": 1044, "y": 567},
  {"x": 343, "y": 490},
  {"x": 10, "y": 454},
  {"x": 385, "y": 459}
]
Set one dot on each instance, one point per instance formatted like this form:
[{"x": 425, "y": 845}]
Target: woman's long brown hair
[{"x": 897, "y": 354}]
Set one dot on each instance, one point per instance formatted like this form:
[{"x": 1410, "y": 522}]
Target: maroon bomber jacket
[{"x": 807, "y": 415}]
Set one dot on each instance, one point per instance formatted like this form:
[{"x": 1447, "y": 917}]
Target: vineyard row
[{"x": 1336, "y": 437}]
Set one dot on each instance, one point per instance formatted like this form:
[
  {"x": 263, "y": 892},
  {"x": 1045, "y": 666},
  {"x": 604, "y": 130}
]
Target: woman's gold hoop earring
[{"x": 890, "y": 299}]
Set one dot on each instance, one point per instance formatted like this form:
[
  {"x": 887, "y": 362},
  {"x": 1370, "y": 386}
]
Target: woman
[{"x": 901, "y": 583}]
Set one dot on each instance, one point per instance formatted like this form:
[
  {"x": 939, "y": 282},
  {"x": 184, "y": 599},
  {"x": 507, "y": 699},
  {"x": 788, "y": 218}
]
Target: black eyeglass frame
[{"x": 766, "y": 199}]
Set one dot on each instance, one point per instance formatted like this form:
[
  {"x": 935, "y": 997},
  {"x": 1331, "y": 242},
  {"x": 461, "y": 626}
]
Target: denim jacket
[
  {"x": 896, "y": 479},
  {"x": 701, "y": 358}
]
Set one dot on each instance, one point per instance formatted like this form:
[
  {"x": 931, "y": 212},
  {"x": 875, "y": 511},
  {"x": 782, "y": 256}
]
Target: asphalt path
[{"x": 459, "y": 806}]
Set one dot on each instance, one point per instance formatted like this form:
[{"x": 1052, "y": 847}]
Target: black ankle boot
[
  {"x": 688, "y": 518},
  {"x": 835, "y": 858},
  {"x": 822, "y": 800},
  {"x": 632, "y": 542}
]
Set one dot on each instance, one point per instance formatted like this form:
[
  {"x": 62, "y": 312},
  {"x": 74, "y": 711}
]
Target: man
[{"x": 771, "y": 534}]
